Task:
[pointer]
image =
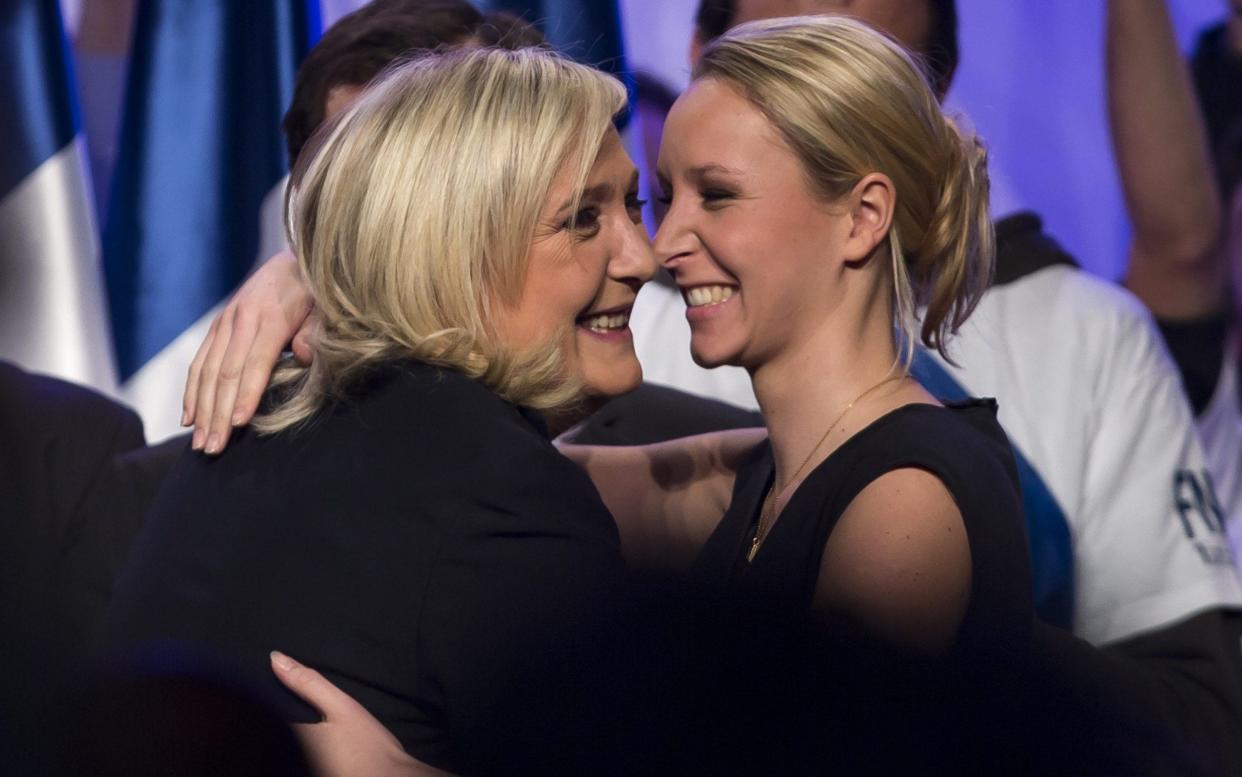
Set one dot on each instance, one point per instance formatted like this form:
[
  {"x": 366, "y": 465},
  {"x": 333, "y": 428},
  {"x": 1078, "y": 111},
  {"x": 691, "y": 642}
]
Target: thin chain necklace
[{"x": 767, "y": 516}]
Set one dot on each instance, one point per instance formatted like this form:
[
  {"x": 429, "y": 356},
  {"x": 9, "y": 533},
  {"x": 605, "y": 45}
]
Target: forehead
[
  {"x": 909, "y": 21},
  {"x": 712, "y": 123},
  {"x": 611, "y": 166},
  {"x": 611, "y": 160}
]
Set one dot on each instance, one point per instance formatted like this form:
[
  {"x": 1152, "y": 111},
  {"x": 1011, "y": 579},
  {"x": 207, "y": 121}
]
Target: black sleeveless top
[{"x": 961, "y": 444}]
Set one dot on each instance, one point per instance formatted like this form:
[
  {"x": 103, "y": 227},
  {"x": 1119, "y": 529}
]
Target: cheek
[{"x": 607, "y": 368}]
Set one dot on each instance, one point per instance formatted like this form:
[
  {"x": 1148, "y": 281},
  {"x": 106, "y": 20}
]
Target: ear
[
  {"x": 696, "y": 47},
  {"x": 871, "y": 204}
]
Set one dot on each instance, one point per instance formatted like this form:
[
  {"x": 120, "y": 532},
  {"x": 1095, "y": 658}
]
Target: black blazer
[
  {"x": 58, "y": 442},
  {"x": 422, "y": 544}
]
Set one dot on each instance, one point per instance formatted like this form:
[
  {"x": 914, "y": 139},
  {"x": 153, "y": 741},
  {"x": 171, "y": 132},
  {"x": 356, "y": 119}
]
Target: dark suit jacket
[
  {"x": 422, "y": 544},
  {"x": 58, "y": 442}
]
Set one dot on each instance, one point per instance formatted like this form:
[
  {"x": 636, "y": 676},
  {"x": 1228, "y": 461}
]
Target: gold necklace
[{"x": 768, "y": 515}]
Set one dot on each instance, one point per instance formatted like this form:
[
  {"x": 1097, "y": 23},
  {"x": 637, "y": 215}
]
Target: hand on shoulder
[{"x": 231, "y": 368}]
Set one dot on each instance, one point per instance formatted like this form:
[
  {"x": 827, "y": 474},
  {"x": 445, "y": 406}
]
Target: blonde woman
[
  {"x": 817, "y": 199},
  {"x": 396, "y": 516}
]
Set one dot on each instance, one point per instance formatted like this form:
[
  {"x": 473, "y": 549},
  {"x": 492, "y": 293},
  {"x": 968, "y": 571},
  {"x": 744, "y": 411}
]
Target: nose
[
  {"x": 632, "y": 262},
  {"x": 673, "y": 241}
]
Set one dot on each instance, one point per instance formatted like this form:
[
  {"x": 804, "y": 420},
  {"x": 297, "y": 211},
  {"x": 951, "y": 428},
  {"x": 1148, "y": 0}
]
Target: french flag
[{"x": 52, "y": 314}]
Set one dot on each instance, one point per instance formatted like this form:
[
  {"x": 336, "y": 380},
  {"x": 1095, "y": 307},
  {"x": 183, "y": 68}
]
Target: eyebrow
[
  {"x": 600, "y": 191},
  {"x": 702, "y": 170},
  {"x": 699, "y": 172}
]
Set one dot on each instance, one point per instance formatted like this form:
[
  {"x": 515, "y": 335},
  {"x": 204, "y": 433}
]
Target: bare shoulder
[{"x": 898, "y": 562}]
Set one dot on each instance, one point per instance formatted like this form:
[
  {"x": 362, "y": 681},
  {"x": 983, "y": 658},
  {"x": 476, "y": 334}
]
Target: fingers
[
  {"x": 313, "y": 688},
  {"x": 231, "y": 369},
  {"x": 302, "y": 350},
  {"x": 242, "y": 337},
  {"x": 189, "y": 403},
  {"x": 207, "y": 379},
  {"x": 256, "y": 371}
]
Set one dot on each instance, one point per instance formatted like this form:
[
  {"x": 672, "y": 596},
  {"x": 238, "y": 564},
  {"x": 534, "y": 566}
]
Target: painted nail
[
  {"x": 282, "y": 661},
  {"x": 213, "y": 443},
  {"x": 197, "y": 442}
]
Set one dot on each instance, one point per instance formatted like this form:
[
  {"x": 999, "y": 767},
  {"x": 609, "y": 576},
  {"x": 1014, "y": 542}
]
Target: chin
[
  {"x": 612, "y": 380},
  {"x": 710, "y": 355}
]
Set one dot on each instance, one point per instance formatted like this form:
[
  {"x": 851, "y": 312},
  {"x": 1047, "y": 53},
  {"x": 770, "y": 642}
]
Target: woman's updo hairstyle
[
  {"x": 849, "y": 101},
  {"x": 413, "y": 213}
]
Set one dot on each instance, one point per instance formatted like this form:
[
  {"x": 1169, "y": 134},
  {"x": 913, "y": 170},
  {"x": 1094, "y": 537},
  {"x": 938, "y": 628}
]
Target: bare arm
[
  {"x": 897, "y": 564},
  {"x": 667, "y": 498},
  {"x": 1166, "y": 172}
]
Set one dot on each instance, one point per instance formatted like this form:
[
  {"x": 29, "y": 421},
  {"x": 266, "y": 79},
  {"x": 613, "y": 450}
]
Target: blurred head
[
  {"x": 925, "y": 27},
  {"x": 811, "y": 171},
  {"x": 474, "y": 209},
  {"x": 362, "y": 44}
]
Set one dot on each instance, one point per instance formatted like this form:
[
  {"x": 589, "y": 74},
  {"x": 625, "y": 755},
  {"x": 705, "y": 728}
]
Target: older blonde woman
[
  {"x": 397, "y": 516},
  {"x": 818, "y": 198}
]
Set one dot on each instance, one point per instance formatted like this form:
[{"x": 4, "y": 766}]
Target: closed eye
[
  {"x": 585, "y": 222},
  {"x": 634, "y": 204}
]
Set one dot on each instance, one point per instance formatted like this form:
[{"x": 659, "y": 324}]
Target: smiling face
[
  {"x": 584, "y": 269},
  {"x": 758, "y": 257}
]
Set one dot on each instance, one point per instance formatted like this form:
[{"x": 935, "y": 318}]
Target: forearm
[
  {"x": 1163, "y": 160},
  {"x": 667, "y": 497}
]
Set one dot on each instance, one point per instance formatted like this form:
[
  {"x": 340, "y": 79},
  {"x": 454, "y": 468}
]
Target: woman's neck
[{"x": 810, "y": 383}]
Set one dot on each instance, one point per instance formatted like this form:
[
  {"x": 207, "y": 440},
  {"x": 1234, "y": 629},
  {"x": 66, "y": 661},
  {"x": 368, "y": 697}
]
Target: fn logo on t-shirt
[{"x": 1202, "y": 518}]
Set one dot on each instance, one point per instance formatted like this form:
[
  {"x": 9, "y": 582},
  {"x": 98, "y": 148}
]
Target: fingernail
[
  {"x": 282, "y": 661},
  {"x": 185, "y": 417},
  {"x": 238, "y": 418},
  {"x": 213, "y": 443},
  {"x": 197, "y": 442}
]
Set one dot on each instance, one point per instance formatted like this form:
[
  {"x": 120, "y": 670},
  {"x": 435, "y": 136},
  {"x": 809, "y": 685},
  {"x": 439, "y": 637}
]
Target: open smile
[
  {"x": 612, "y": 324},
  {"x": 702, "y": 296},
  {"x": 706, "y": 301}
]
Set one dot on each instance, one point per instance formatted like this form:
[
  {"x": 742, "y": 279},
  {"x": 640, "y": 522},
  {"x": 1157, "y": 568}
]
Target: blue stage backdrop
[
  {"x": 588, "y": 32},
  {"x": 200, "y": 147}
]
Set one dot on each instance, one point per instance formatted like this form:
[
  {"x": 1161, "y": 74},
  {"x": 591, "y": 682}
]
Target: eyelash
[
  {"x": 710, "y": 197},
  {"x": 586, "y": 221},
  {"x": 635, "y": 206}
]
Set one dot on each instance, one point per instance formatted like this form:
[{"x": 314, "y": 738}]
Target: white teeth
[
  {"x": 606, "y": 323},
  {"x": 708, "y": 295}
]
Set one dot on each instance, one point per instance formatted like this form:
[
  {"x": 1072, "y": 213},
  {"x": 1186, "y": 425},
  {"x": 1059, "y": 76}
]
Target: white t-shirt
[
  {"x": 1220, "y": 426},
  {"x": 1091, "y": 399}
]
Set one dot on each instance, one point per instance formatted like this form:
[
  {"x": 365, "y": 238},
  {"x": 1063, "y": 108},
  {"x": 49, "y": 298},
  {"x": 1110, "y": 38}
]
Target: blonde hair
[
  {"x": 413, "y": 214},
  {"x": 849, "y": 101}
]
